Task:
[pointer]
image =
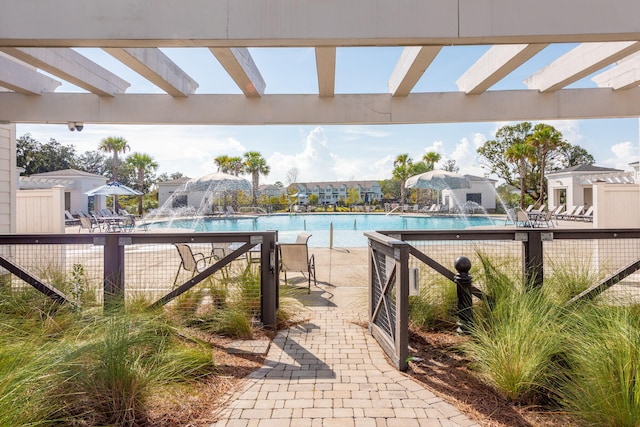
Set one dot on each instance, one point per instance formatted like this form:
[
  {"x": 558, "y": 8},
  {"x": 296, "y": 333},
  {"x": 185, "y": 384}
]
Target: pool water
[{"x": 348, "y": 229}]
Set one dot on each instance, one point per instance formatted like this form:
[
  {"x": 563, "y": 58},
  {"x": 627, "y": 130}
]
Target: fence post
[
  {"x": 269, "y": 270},
  {"x": 533, "y": 263},
  {"x": 401, "y": 255},
  {"x": 113, "y": 272},
  {"x": 463, "y": 289}
]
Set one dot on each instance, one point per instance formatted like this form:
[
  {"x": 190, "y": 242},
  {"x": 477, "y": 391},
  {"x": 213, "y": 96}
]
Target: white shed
[
  {"x": 574, "y": 186},
  {"x": 75, "y": 183},
  {"x": 482, "y": 192}
]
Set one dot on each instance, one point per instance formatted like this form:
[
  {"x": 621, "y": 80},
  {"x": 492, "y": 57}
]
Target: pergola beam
[
  {"x": 23, "y": 79},
  {"x": 73, "y": 67},
  {"x": 441, "y": 107},
  {"x": 312, "y": 23},
  {"x": 625, "y": 75},
  {"x": 412, "y": 64},
  {"x": 158, "y": 68},
  {"x": 241, "y": 68},
  {"x": 326, "y": 68},
  {"x": 494, "y": 65},
  {"x": 578, "y": 63}
]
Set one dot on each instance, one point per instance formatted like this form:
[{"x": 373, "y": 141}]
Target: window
[
  {"x": 179, "y": 201},
  {"x": 475, "y": 197}
]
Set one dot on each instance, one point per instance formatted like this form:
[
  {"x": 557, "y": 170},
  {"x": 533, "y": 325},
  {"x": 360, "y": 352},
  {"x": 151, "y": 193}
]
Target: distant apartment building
[{"x": 331, "y": 192}]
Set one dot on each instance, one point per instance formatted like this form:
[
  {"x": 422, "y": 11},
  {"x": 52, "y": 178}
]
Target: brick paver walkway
[{"x": 331, "y": 372}]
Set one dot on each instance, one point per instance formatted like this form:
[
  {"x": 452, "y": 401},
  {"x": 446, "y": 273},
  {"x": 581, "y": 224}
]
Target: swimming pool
[{"x": 348, "y": 229}]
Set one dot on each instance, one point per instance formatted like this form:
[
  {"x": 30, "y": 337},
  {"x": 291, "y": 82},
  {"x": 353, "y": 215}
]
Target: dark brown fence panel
[{"x": 118, "y": 267}]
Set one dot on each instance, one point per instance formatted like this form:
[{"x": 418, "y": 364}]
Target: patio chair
[
  {"x": 511, "y": 217},
  {"x": 522, "y": 219},
  {"x": 544, "y": 219},
  {"x": 88, "y": 224},
  {"x": 294, "y": 257},
  {"x": 190, "y": 261}
]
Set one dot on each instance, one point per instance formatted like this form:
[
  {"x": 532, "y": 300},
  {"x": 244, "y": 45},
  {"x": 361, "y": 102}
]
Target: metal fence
[
  {"x": 606, "y": 262},
  {"x": 115, "y": 267}
]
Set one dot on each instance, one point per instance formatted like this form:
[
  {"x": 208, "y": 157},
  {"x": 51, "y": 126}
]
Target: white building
[
  {"x": 75, "y": 184},
  {"x": 331, "y": 192},
  {"x": 574, "y": 186},
  {"x": 167, "y": 189},
  {"x": 482, "y": 192}
]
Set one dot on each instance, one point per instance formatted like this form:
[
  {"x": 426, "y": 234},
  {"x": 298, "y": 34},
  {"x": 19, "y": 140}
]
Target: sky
[{"x": 335, "y": 152}]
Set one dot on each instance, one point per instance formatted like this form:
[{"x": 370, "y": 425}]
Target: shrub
[
  {"x": 517, "y": 342},
  {"x": 603, "y": 384}
]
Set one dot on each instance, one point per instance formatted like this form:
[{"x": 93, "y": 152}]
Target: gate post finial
[{"x": 463, "y": 289}]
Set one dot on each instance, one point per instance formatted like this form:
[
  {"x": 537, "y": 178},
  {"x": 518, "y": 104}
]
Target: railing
[
  {"x": 609, "y": 259},
  {"x": 122, "y": 266}
]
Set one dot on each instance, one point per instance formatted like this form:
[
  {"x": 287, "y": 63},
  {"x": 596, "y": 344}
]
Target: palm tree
[
  {"x": 520, "y": 153},
  {"x": 402, "y": 170},
  {"x": 430, "y": 159},
  {"x": 546, "y": 139},
  {"x": 230, "y": 165},
  {"x": 255, "y": 164},
  {"x": 115, "y": 145},
  {"x": 143, "y": 164}
]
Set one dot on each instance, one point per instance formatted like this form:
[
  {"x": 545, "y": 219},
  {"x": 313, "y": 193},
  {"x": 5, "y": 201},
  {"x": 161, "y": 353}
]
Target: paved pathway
[{"x": 331, "y": 372}]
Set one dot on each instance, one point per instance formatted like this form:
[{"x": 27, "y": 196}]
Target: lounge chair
[
  {"x": 189, "y": 261},
  {"x": 574, "y": 215},
  {"x": 294, "y": 257},
  {"x": 567, "y": 213},
  {"x": 70, "y": 219},
  {"x": 557, "y": 211},
  {"x": 544, "y": 219},
  {"x": 587, "y": 216}
]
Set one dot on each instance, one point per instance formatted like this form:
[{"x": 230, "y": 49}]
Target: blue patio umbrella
[{"x": 113, "y": 189}]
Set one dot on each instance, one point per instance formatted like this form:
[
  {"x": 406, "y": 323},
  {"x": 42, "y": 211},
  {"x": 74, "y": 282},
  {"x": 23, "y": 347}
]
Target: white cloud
[
  {"x": 356, "y": 132},
  {"x": 466, "y": 157},
  {"x": 436, "y": 147},
  {"x": 314, "y": 163},
  {"x": 624, "y": 153},
  {"x": 570, "y": 129}
]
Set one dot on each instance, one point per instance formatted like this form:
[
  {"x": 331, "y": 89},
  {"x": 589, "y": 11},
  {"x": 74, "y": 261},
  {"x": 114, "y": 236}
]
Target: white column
[{"x": 8, "y": 178}]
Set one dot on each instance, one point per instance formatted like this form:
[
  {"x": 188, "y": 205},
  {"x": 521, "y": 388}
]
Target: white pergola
[{"x": 37, "y": 37}]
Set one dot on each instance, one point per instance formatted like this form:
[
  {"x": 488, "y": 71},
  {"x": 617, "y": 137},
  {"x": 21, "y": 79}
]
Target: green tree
[
  {"x": 492, "y": 152},
  {"x": 164, "y": 176},
  {"x": 402, "y": 170},
  {"x": 521, "y": 154},
  {"x": 35, "y": 157},
  {"x": 572, "y": 155},
  {"x": 353, "y": 196},
  {"x": 227, "y": 164},
  {"x": 92, "y": 162},
  {"x": 255, "y": 165},
  {"x": 313, "y": 199},
  {"x": 430, "y": 159},
  {"x": 115, "y": 145},
  {"x": 546, "y": 139},
  {"x": 144, "y": 166},
  {"x": 450, "y": 166}
]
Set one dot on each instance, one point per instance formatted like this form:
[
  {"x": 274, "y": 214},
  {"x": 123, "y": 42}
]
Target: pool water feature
[{"x": 348, "y": 229}]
